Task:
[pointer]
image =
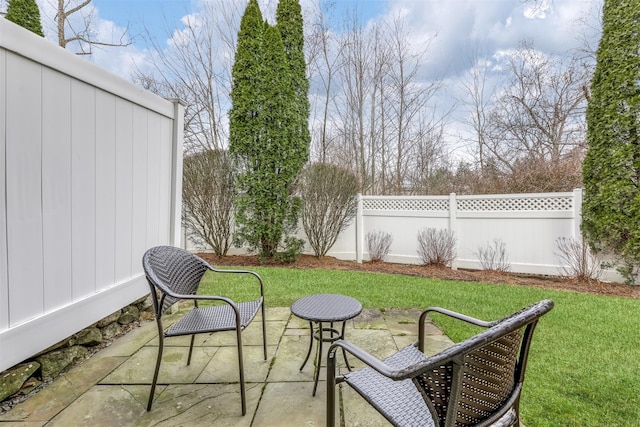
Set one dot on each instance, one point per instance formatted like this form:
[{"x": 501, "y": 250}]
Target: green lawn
[{"x": 585, "y": 358}]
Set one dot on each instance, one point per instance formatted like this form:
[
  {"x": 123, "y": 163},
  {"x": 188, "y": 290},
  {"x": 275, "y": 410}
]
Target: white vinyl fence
[
  {"x": 527, "y": 224},
  {"x": 91, "y": 177}
]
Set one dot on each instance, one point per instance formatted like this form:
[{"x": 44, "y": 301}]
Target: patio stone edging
[{"x": 27, "y": 376}]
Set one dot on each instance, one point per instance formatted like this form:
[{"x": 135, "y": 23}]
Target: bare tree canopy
[
  {"x": 377, "y": 110},
  {"x": 197, "y": 69},
  {"x": 374, "y": 114},
  {"x": 528, "y": 129},
  {"x": 74, "y": 21}
]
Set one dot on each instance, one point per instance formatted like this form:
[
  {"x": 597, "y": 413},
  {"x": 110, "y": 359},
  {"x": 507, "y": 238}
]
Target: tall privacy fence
[
  {"x": 91, "y": 177},
  {"x": 527, "y": 225}
]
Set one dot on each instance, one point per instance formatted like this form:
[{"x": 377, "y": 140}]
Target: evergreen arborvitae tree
[
  {"x": 611, "y": 169},
  {"x": 290, "y": 25},
  {"x": 26, "y": 14},
  {"x": 263, "y": 136},
  {"x": 244, "y": 124}
]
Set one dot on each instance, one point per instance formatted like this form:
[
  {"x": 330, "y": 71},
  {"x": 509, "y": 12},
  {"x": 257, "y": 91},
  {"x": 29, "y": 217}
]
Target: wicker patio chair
[
  {"x": 476, "y": 382},
  {"x": 174, "y": 274}
]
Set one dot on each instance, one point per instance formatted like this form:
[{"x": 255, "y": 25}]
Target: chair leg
[
  {"x": 193, "y": 337},
  {"x": 344, "y": 353},
  {"x": 243, "y": 397},
  {"x": 157, "y": 370},
  {"x": 264, "y": 333},
  {"x": 331, "y": 388}
]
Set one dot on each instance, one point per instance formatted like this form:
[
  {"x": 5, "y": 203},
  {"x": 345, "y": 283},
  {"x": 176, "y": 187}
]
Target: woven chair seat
[
  {"x": 399, "y": 401},
  {"x": 214, "y": 319}
]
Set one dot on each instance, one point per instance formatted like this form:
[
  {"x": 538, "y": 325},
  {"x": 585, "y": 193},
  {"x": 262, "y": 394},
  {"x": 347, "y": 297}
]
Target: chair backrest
[
  {"x": 171, "y": 269},
  {"x": 481, "y": 378}
]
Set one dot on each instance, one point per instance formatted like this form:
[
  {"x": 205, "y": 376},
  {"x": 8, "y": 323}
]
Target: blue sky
[
  {"x": 155, "y": 15},
  {"x": 457, "y": 32},
  {"x": 161, "y": 16},
  {"x": 454, "y": 29}
]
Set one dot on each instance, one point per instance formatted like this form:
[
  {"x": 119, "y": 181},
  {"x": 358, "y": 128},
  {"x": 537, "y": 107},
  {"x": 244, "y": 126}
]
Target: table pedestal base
[
  {"x": 322, "y": 334},
  {"x": 325, "y": 309}
]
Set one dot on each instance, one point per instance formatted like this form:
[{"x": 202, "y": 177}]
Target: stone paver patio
[{"x": 111, "y": 388}]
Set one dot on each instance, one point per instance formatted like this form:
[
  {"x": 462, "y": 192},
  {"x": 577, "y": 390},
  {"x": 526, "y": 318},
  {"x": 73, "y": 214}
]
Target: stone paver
[
  {"x": 291, "y": 404},
  {"x": 111, "y": 388}
]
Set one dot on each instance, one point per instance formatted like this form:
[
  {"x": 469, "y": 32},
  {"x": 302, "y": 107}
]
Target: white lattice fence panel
[
  {"x": 413, "y": 204},
  {"x": 562, "y": 203}
]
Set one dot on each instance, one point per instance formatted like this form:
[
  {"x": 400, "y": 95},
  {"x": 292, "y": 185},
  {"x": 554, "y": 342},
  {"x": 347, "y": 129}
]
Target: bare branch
[{"x": 83, "y": 36}]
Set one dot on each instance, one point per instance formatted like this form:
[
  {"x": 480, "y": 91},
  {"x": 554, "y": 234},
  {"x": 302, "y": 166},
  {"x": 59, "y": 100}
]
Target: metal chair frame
[
  {"x": 175, "y": 274},
  {"x": 452, "y": 387}
]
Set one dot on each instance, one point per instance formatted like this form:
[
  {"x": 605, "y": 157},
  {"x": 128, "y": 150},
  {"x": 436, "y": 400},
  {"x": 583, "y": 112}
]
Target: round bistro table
[{"x": 325, "y": 308}]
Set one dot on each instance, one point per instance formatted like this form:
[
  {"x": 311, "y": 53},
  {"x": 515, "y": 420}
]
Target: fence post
[
  {"x": 453, "y": 214},
  {"x": 577, "y": 213},
  {"x": 359, "y": 227},
  {"x": 177, "y": 139}
]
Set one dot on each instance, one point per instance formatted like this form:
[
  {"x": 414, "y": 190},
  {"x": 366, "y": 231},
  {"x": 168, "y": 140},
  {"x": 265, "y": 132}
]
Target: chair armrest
[
  {"x": 455, "y": 315},
  {"x": 368, "y": 359},
  {"x": 201, "y": 297},
  {"x": 449, "y": 313},
  {"x": 253, "y": 273}
]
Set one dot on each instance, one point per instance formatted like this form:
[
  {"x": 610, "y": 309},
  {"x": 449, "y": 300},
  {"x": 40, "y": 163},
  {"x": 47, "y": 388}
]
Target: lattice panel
[
  {"x": 406, "y": 204},
  {"x": 516, "y": 204}
]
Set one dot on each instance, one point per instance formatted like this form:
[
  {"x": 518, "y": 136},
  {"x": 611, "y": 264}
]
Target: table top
[{"x": 326, "y": 308}]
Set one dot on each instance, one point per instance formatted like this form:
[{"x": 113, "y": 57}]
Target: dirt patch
[{"x": 331, "y": 263}]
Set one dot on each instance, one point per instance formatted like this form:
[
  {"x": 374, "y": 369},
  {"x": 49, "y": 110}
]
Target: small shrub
[
  {"x": 292, "y": 250},
  {"x": 436, "y": 247},
  {"x": 494, "y": 256},
  {"x": 626, "y": 267},
  {"x": 629, "y": 270},
  {"x": 578, "y": 261},
  {"x": 378, "y": 244}
]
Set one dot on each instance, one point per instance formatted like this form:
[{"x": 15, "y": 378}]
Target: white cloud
[
  {"x": 468, "y": 28},
  {"x": 537, "y": 10},
  {"x": 182, "y": 36},
  {"x": 459, "y": 33}
]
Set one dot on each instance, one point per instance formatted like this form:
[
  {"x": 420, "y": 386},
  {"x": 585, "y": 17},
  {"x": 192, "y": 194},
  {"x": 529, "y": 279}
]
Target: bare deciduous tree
[
  {"x": 74, "y": 22},
  {"x": 428, "y": 172},
  {"x": 207, "y": 199},
  {"x": 329, "y": 202},
  {"x": 526, "y": 113},
  {"x": 477, "y": 96},
  {"x": 361, "y": 55},
  {"x": 324, "y": 63},
  {"x": 196, "y": 68},
  {"x": 384, "y": 129},
  {"x": 539, "y": 116},
  {"x": 406, "y": 105}
]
